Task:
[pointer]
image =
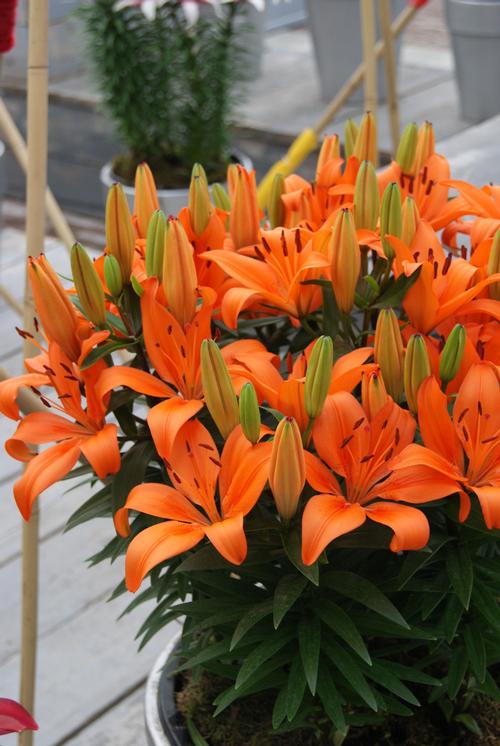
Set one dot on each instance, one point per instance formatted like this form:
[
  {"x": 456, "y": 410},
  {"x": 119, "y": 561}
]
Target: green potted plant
[{"x": 170, "y": 75}]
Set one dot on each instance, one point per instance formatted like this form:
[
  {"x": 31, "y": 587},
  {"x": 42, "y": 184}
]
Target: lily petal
[
  {"x": 325, "y": 518},
  {"x": 228, "y": 538},
  {"x": 410, "y": 526}
]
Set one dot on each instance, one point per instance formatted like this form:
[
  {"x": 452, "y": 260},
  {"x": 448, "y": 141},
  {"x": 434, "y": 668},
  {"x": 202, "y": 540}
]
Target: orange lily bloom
[
  {"x": 273, "y": 280},
  {"x": 428, "y": 186},
  {"x": 465, "y": 448},
  {"x": 483, "y": 203},
  {"x": 190, "y": 510},
  {"x": 364, "y": 452}
]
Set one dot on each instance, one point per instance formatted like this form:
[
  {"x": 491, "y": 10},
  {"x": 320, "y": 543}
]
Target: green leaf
[
  {"x": 288, "y": 591},
  {"x": 206, "y": 558},
  {"x": 451, "y": 618},
  {"x": 456, "y": 671},
  {"x": 487, "y": 605},
  {"x": 280, "y": 707},
  {"x": 293, "y": 547},
  {"x": 210, "y": 652},
  {"x": 195, "y": 734},
  {"x": 361, "y": 590},
  {"x": 490, "y": 687},
  {"x": 474, "y": 644},
  {"x": 132, "y": 471},
  {"x": 379, "y": 673},
  {"x": 460, "y": 572},
  {"x": 98, "y": 506},
  {"x": 249, "y": 620},
  {"x": 350, "y": 670},
  {"x": 309, "y": 647},
  {"x": 470, "y": 723},
  {"x": 410, "y": 673},
  {"x": 102, "y": 351},
  {"x": 330, "y": 699},
  {"x": 342, "y": 624},
  {"x": 395, "y": 293},
  {"x": 296, "y": 687},
  {"x": 259, "y": 655}
]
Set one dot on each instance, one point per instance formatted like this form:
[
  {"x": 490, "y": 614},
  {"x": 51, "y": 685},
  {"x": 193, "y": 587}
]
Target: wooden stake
[
  {"x": 36, "y": 183},
  {"x": 18, "y": 146},
  {"x": 390, "y": 71},
  {"x": 369, "y": 39}
]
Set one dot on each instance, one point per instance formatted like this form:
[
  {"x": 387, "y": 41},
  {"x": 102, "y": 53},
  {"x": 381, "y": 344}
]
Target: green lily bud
[
  {"x": 318, "y": 376},
  {"x": 389, "y": 353},
  {"x": 417, "y": 369},
  {"x": 425, "y": 146},
  {"x": 218, "y": 388},
  {"x": 88, "y": 285},
  {"x": 410, "y": 217},
  {"x": 366, "y": 197},
  {"x": 155, "y": 244},
  {"x": 113, "y": 276},
  {"x": 221, "y": 197},
  {"x": 120, "y": 238},
  {"x": 391, "y": 221},
  {"x": 405, "y": 155},
  {"x": 136, "y": 286},
  {"x": 199, "y": 205},
  {"x": 452, "y": 354},
  {"x": 275, "y": 206},
  {"x": 494, "y": 266},
  {"x": 365, "y": 147},
  {"x": 249, "y": 413},
  {"x": 350, "y": 135}
]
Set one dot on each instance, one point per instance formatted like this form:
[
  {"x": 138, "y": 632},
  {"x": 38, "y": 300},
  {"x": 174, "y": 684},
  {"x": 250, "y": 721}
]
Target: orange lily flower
[
  {"x": 190, "y": 510},
  {"x": 364, "y": 452},
  {"x": 86, "y": 433},
  {"x": 465, "y": 448},
  {"x": 273, "y": 280},
  {"x": 483, "y": 203},
  {"x": 428, "y": 186}
]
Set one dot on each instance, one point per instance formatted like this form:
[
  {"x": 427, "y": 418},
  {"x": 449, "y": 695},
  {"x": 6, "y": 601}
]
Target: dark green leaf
[
  {"x": 280, "y": 707},
  {"x": 350, "y": 670},
  {"x": 474, "y": 644},
  {"x": 470, "y": 723},
  {"x": 361, "y": 590},
  {"x": 259, "y": 655},
  {"x": 460, "y": 572},
  {"x": 330, "y": 699},
  {"x": 336, "y": 618},
  {"x": 102, "y": 351},
  {"x": 98, "y": 506},
  {"x": 487, "y": 605},
  {"x": 249, "y": 620},
  {"x": 206, "y": 558},
  {"x": 395, "y": 293},
  {"x": 456, "y": 672},
  {"x": 288, "y": 590},
  {"x": 309, "y": 647},
  {"x": 379, "y": 673},
  {"x": 195, "y": 734},
  {"x": 210, "y": 652},
  {"x": 296, "y": 687},
  {"x": 132, "y": 471},
  {"x": 292, "y": 545},
  {"x": 410, "y": 673},
  {"x": 452, "y": 616}
]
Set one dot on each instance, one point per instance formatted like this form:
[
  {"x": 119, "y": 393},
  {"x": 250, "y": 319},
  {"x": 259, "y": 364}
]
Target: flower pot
[
  {"x": 475, "y": 34},
  {"x": 163, "y": 727},
  {"x": 171, "y": 200},
  {"x": 336, "y": 31}
]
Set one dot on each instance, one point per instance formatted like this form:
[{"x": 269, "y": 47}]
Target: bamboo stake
[
  {"x": 369, "y": 39},
  {"x": 36, "y": 182},
  {"x": 390, "y": 71},
  {"x": 18, "y": 147}
]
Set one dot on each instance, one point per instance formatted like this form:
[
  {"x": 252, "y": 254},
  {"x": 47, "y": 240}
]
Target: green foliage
[{"x": 169, "y": 89}]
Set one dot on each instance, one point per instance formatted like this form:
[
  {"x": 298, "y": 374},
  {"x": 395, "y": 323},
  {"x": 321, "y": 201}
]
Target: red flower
[
  {"x": 14, "y": 718},
  {"x": 7, "y": 24}
]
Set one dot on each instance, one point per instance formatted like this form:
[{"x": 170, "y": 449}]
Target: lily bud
[
  {"x": 113, "y": 276},
  {"x": 452, "y": 354},
  {"x": 88, "y": 285},
  {"x": 365, "y": 148},
  {"x": 391, "y": 220},
  {"x": 244, "y": 222},
  {"x": 389, "y": 353},
  {"x": 409, "y": 220},
  {"x": 218, "y": 388},
  {"x": 330, "y": 149},
  {"x": 180, "y": 281},
  {"x": 199, "y": 205},
  {"x": 119, "y": 230},
  {"x": 287, "y": 472},
  {"x": 54, "y": 308},
  {"x": 494, "y": 266},
  {"x": 417, "y": 369},
  {"x": 373, "y": 392},
  {"x": 155, "y": 244},
  {"x": 221, "y": 197},
  {"x": 275, "y": 206},
  {"x": 350, "y": 135},
  {"x": 145, "y": 198},
  {"x": 425, "y": 146},
  {"x": 318, "y": 376},
  {"x": 346, "y": 260},
  {"x": 405, "y": 155},
  {"x": 249, "y": 413},
  {"x": 366, "y": 197}
]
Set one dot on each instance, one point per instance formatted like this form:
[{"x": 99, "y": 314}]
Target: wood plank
[{"x": 123, "y": 725}]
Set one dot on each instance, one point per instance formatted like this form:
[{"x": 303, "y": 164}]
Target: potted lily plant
[
  {"x": 169, "y": 74},
  {"x": 299, "y": 457}
]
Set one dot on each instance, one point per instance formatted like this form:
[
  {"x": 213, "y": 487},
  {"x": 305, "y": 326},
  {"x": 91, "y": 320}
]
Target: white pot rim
[{"x": 154, "y": 726}]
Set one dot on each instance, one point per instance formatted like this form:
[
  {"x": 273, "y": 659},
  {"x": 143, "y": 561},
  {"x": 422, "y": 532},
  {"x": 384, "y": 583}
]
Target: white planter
[
  {"x": 475, "y": 34},
  {"x": 171, "y": 200},
  {"x": 336, "y": 31},
  {"x": 154, "y": 728}
]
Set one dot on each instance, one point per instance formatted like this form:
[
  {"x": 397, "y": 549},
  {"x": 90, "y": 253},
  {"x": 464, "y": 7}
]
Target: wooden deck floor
[{"x": 90, "y": 677}]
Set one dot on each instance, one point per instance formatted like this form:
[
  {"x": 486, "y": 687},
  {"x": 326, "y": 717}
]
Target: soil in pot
[
  {"x": 169, "y": 173},
  {"x": 248, "y": 722}
]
